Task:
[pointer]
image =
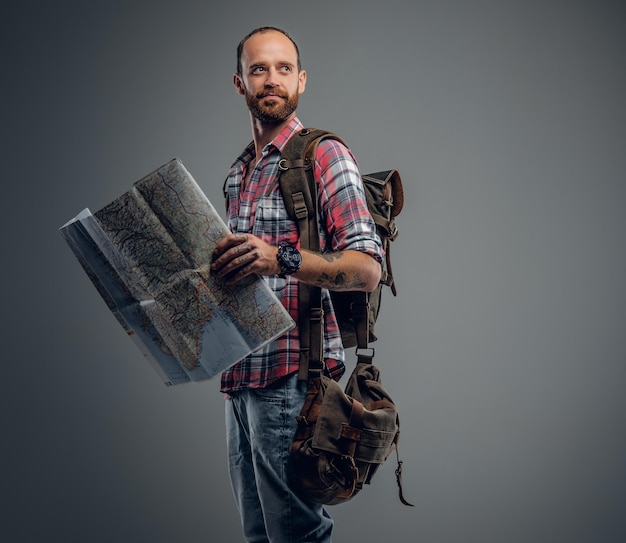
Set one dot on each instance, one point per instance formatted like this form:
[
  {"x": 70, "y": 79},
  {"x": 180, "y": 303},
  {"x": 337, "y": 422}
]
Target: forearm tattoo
[
  {"x": 340, "y": 281},
  {"x": 330, "y": 257}
]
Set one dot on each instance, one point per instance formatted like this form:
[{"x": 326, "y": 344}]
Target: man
[{"x": 263, "y": 392}]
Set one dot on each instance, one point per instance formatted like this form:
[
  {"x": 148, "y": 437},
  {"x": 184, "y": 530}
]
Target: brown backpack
[{"x": 343, "y": 436}]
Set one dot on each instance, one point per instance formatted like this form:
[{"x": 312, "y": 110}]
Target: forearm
[
  {"x": 239, "y": 255},
  {"x": 342, "y": 270}
]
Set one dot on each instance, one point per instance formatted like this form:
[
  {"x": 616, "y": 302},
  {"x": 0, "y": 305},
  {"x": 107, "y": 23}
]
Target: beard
[{"x": 284, "y": 105}]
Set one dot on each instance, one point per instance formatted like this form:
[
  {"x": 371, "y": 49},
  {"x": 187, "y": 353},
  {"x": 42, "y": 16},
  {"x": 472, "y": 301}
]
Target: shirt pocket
[{"x": 271, "y": 222}]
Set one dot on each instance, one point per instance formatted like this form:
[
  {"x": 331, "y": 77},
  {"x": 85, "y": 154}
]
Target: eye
[{"x": 257, "y": 69}]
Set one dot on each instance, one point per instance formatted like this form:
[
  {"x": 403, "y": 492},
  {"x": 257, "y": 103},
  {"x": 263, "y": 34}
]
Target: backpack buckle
[
  {"x": 393, "y": 230},
  {"x": 365, "y": 354}
]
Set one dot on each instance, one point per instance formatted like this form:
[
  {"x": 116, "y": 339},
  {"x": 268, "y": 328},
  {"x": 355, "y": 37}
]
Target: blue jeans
[{"x": 260, "y": 424}]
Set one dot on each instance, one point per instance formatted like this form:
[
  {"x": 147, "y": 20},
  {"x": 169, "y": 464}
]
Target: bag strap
[
  {"x": 297, "y": 185},
  {"x": 299, "y": 189}
]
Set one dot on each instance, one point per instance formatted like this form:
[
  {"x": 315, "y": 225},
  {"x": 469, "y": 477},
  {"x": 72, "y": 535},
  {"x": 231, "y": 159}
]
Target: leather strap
[{"x": 299, "y": 189}]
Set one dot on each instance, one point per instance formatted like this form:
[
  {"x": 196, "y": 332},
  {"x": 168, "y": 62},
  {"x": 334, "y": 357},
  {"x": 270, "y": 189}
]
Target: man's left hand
[{"x": 238, "y": 255}]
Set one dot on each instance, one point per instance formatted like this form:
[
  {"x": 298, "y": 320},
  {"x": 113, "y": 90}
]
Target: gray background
[{"x": 505, "y": 349}]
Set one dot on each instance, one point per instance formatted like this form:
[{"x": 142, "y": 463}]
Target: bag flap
[
  {"x": 394, "y": 181},
  {"x": 374, "y": 439}
]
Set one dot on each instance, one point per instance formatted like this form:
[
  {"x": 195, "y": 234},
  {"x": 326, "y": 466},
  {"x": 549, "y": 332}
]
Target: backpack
[
  {"x": 342, "y": 436},
  {"x": 385, "y": 199}
]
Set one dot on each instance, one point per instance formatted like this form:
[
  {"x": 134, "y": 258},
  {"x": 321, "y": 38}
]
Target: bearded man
[{"x": 263, "y": 393}]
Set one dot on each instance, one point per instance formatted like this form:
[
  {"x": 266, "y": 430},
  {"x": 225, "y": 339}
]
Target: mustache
[{"x": 278, "y": 93}]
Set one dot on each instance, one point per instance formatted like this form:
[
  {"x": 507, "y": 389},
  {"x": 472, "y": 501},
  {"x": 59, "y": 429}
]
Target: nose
[{"x": 272, "y": 78}]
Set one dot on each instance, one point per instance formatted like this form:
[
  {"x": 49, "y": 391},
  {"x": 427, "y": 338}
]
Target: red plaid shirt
[{"x": 259, "y": 209}]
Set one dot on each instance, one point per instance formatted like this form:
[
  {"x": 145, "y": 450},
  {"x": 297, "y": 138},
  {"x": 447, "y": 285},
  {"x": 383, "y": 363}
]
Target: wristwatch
[{"x": 289, "y": 259}]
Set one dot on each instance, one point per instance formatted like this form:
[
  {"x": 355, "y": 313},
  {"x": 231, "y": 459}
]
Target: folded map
[{"x": 148, "y": 253}]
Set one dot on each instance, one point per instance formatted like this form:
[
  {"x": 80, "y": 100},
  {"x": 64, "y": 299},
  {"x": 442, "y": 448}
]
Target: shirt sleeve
[{"x": 342, "y": 203}]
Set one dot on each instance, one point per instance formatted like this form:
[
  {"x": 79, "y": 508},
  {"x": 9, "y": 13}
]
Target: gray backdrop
[{"x": 505, "y": 348}]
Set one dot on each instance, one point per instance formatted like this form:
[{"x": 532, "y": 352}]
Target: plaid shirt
[{"x": 258, "y": 208}]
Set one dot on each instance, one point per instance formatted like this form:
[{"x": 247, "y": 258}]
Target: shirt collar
[{"x": 293, "y": 126}]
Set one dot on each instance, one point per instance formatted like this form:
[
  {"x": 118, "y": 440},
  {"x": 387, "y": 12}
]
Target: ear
[
  {"x": 301, "y": 81},
  {"x": 239, "y": 86}
]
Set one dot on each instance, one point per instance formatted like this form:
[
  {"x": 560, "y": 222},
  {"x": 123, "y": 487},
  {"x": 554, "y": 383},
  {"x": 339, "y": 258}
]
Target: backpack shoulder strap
[
  {"x": 299, "y": 190},
  {"x": 298, "y": 184}
]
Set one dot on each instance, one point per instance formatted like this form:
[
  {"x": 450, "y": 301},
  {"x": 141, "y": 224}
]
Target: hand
[{"x": 238, "y": 255}]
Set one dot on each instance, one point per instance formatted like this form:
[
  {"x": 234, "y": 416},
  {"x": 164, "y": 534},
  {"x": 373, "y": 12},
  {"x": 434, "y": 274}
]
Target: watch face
[{"x": 289, "y": 258}]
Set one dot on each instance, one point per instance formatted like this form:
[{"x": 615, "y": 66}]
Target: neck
[{"x": 263, "y": 133}]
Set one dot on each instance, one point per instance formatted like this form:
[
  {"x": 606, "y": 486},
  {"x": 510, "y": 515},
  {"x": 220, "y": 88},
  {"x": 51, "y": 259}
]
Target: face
[{"x": 269, "y": 80}]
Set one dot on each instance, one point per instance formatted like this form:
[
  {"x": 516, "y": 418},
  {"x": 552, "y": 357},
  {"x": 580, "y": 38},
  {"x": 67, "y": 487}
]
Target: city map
[{"x": 148, "y": 254}]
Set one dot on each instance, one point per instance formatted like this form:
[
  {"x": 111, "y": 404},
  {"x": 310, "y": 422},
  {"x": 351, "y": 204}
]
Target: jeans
[{"x": 260, "y": 424}]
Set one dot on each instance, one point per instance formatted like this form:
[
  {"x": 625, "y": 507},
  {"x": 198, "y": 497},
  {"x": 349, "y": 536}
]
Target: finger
[
  {"x": 230, "y": 252},
  {"x": 227, "y": 242},
  {"x": 242, "y": 249},
  {"x": 245, "y": 266},
  {"x": 239, "y": 257},
  {"x": 246, "y": 256},
  {"x": 240, "y": 239}
]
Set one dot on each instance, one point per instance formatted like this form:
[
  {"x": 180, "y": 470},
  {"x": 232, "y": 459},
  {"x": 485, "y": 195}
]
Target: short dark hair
[{"x": 258, "y": 31}]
